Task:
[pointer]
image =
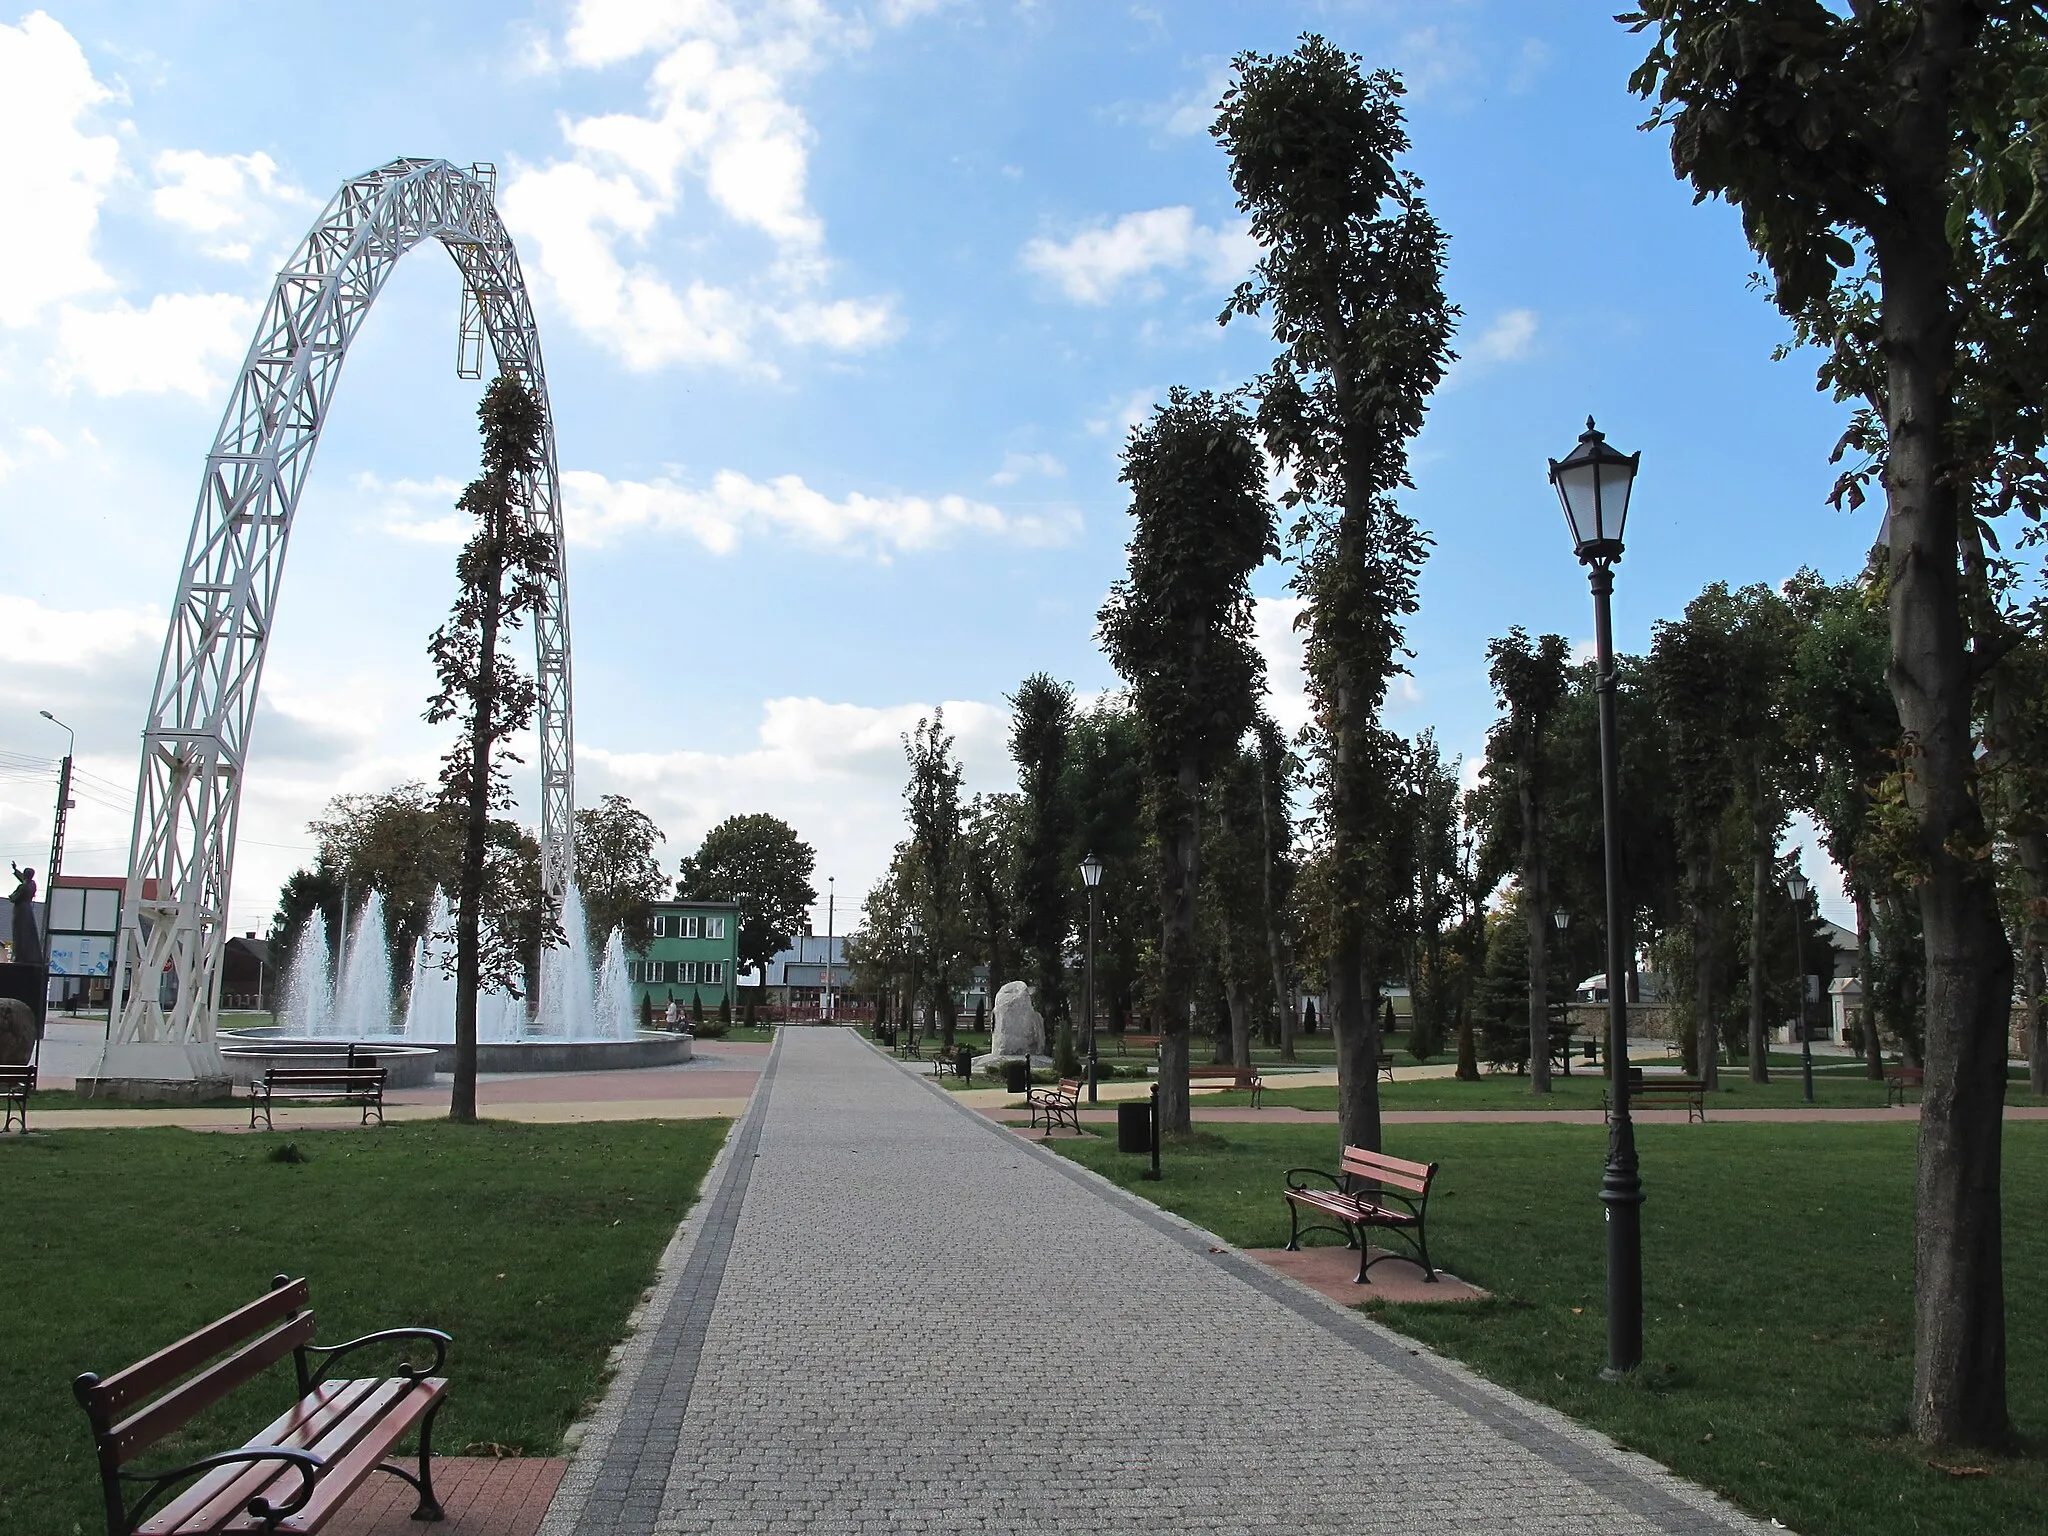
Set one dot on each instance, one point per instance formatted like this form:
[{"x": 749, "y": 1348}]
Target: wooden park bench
[
  {"x": 1387, "y": 1065},
  {"x": 1687, "y": 1093},
  {"x": 1372, "y": 1192},
  {"x": 1896, "y": 1081},
  {"x": 353, "y": 1084},
  {"x": 298, "y": 1470},
  {"x": 16, "y": 1084},
  {"x": 959, "y": 1061},
  {"x": 1061, "y": 1105},
  {"x": 1142, "y": 1042},
  {"x": 1243, "y": 1079}
]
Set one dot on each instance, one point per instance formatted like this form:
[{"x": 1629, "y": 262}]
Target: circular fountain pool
[{"x": 413, "y": 1063}]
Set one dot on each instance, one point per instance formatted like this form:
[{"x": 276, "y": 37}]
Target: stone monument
[
  {"x": 1015, "y": 1031},
  {"x": 17, "y": 1032}
]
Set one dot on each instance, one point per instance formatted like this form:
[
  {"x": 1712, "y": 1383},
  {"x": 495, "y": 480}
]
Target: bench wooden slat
[
  {"x": 345, "y": 1474},
  {"x": 1413, "y": 1177},
  {"x": 146, "y": 1377},
  {"x": 219, "y": 1496},
  {"x": 177, "y": 1407}
]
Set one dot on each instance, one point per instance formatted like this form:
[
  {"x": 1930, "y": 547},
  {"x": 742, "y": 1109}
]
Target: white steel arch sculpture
[{"x": 195, "y": 743}]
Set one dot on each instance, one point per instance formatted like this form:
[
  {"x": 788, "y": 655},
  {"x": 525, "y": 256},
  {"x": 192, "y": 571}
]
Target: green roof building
[{"x": 695, "y": 953}]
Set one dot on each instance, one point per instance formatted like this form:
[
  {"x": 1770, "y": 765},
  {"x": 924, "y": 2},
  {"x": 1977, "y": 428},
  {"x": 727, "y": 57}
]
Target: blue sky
[{"x": 846, "y": 311}]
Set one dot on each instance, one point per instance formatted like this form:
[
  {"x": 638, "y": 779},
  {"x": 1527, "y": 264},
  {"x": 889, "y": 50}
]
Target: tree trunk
[
  {"x": 483, "y": 729},
  {"x": 1535, "y": 897},
  {"x": 1354, "y": 1024},
  {"x": 1240, "y": 999},
  {"x": 1704, "y": 938},
  {"x": 1759, "y": 889},
  {"x": 1180, "y": 858},
  {"x": 1959, "y": 1327},
  {"x": 1276, "y": 959},
  {"x": 2036, "y": 1017},
  {"x": 1468, "y": 1051},
  {"x": 1873, "y": 1046}
]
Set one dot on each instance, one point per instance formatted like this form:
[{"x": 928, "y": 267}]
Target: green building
[{"x": 695, "y": 953}]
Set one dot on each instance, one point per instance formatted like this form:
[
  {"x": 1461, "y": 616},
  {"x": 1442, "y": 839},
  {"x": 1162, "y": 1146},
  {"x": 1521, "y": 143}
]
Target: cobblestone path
[{"x": 889, "y": 1315}]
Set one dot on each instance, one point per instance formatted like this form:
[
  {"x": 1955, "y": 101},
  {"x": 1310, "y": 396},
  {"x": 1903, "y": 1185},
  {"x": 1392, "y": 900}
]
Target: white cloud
[
  {"x": 184, "y": 342},
  {"x": 398, "y": 508},
  {"x": 1017, "y": 465},
  {"x": 1092, "y": 266},
  {"x": 1510, "y": 339},
  {"x": 233, "y": 199},
  {"x": 733, "y": 507},
  {"x": 834, "y": 771},
  {"x": 73, "y": 640},
  {"x": 1122, "y": 416},
  {"x": 719, "y": 118},
  {"x": 1279, "y": 642},
  {"x": 53, "y": 175}
]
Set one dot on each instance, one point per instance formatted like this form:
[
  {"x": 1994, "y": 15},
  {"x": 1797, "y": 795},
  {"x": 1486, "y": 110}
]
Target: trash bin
[
  {"x": 1017, "y": 1076},
  {"x": 963, "y": 1061},
  {"x": 1134, "y": 1126}
]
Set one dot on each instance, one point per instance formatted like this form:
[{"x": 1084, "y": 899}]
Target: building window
[
  {"x": 689, "y": 927},
  {"x": 714, "y": 972},
  {"x": 661, "y": 926},
  {"x": 687, "y": 970},
  {"x": 714, "y": 927}
]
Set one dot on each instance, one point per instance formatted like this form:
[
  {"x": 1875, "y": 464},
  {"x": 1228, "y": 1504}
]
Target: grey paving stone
[{"x": 892, "y": 1315}]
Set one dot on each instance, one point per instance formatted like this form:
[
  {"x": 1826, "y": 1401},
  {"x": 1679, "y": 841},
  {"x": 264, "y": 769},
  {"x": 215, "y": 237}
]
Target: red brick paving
[
  {"x": 596, "y": 1087},
  {"x": 481, "y": 1495},
  {"x": 1333, "y": 1270}
]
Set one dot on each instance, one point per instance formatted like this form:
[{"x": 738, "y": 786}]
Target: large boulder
[
  {"x": 17, "y": 1032},
  {"x": 1014, "y": 1028}
]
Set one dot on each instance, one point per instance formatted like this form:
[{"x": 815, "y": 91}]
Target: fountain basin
[
  {"x": 420, "y": 1060},
  {"x": 250, "y": 1053}
]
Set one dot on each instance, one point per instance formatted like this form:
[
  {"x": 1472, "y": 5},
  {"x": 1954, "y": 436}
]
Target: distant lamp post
[
  {"x": 1797, "y": 888},
  {"x": 1593, "y": 482},
  {"x": 1560, "y": 919},
  {"x": 739, "y": 937},
  {"x": 1091, "y": 877},
  {"x": 63, "y": 805}
]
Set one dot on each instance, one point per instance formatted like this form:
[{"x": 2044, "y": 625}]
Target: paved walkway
[{"x": 889, "y": 1314}]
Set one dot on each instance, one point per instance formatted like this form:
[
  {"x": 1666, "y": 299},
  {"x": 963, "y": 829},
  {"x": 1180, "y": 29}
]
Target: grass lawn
[
  {"x": 1835, "y": 1088},
  {"x": 529, "y": 1244},
  {"x": 1778, "y": 1291}
]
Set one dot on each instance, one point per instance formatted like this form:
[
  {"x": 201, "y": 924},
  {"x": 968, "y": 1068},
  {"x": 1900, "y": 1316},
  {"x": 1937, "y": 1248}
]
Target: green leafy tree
[
  {"x": 1042, "y": 721},
  {"x": 1530, "y": 680},
  {"x": 1106, "y": 778},
  {"x": 617, "y": 871},
  {"x": 933, "y": 800},
  {"x": 1279, "y": 770},
  {"x": 1233, "y": 917},
  {"x": 1886, "y": 162},
  {"x": 761, "y": 858},
  {"x": 1351, "y": 278},
  {"x": 991, "y": 835},
  {"x": 1438, "y": 895},
  {"x": 503, "y": 573},
  {"x": 1178, "y": 629}
]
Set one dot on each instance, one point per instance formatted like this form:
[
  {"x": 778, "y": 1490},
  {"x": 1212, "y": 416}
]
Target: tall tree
[
  {"x": 1693, "y": 664},
  {"x": 1042, "y": 719},
  {"x": 617, "y": 872},
  {"x": 991, "y": 834},
  {"x": 1178, "y": 629},
  {"x": 1438, "y": 894},
  {"x": 933, "y": 798},
  {"x": 1351, "y": 276},
  {"x": 1529, "y": 681},
  {"x": 1886, "y": 164},
  {"x": 1106, "y": 787},
  {"x": 761, "y": 862},
  {"x": 1278, "y": 771},
  {"x": 503, "y": 573},
  {"x": 1233, "y": 894}
]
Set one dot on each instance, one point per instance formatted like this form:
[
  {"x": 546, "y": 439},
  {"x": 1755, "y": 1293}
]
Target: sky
[{"x": 847, "y": 309}]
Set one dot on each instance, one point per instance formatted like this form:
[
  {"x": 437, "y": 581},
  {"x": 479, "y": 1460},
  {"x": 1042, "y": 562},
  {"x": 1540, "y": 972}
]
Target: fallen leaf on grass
[{"x": 1961, "y": 1471}]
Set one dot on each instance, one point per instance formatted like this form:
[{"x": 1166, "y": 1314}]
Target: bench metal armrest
[
  {"x": 334, "y": 1352},
  {"x": 305, "y": 1463},
  {"x": 1336, "y": 1183}
]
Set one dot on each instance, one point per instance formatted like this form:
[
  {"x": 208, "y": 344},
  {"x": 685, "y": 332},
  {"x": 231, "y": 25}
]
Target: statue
[
  {"x": 1016, "y": 1033},
  {"x": 28, "y": 941}
]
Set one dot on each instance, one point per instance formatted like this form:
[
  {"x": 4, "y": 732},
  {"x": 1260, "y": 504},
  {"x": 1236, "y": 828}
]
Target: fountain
[{"x": 584, "y": 1020}]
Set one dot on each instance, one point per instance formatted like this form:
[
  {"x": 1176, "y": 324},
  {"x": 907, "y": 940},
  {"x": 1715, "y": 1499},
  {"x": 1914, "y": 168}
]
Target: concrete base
[
  {"x": 149, "y": 1090},
  {"x": 158, "y": 1061},
  {"x": 647, "y": 1049},
  {"x": 982, "y": 1064},
  {"x": 405, "y": 1066}
]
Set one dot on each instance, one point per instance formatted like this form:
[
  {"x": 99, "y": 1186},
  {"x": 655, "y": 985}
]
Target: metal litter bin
[
  {"x": 1017, "y": 1076},
  {"x": 1134, "y": 1126},
  {"x": 963, "y": 1061}
]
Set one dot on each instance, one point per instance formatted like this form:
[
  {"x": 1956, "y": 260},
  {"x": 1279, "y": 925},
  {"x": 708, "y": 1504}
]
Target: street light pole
[
  {"x": 1796, "y": 888},
  {"x": 1593, "y": 482},
  {"x": 1091, "y": 877},
  {"x": 63, "y": 804},
  {"x": 825, "y": 1013}
]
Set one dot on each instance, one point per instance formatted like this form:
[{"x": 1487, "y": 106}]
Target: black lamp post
[
  {"x": 1091, "y": 877},
  {"x": 1797, "y": 888},
  {"x": 1593, "y": 482}
]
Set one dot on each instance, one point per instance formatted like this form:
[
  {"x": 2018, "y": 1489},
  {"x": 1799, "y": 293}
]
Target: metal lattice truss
[{"x": 195, "y": 744}]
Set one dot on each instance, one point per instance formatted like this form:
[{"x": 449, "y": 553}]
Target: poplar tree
[
  {"x": 1178, "y": 629},
  {"x": 1351, "y": 278},
  {"x": 1041, "y": 722},
  {"x": 503, "y": 573},
  {"x": 1887, "y": 164}
]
